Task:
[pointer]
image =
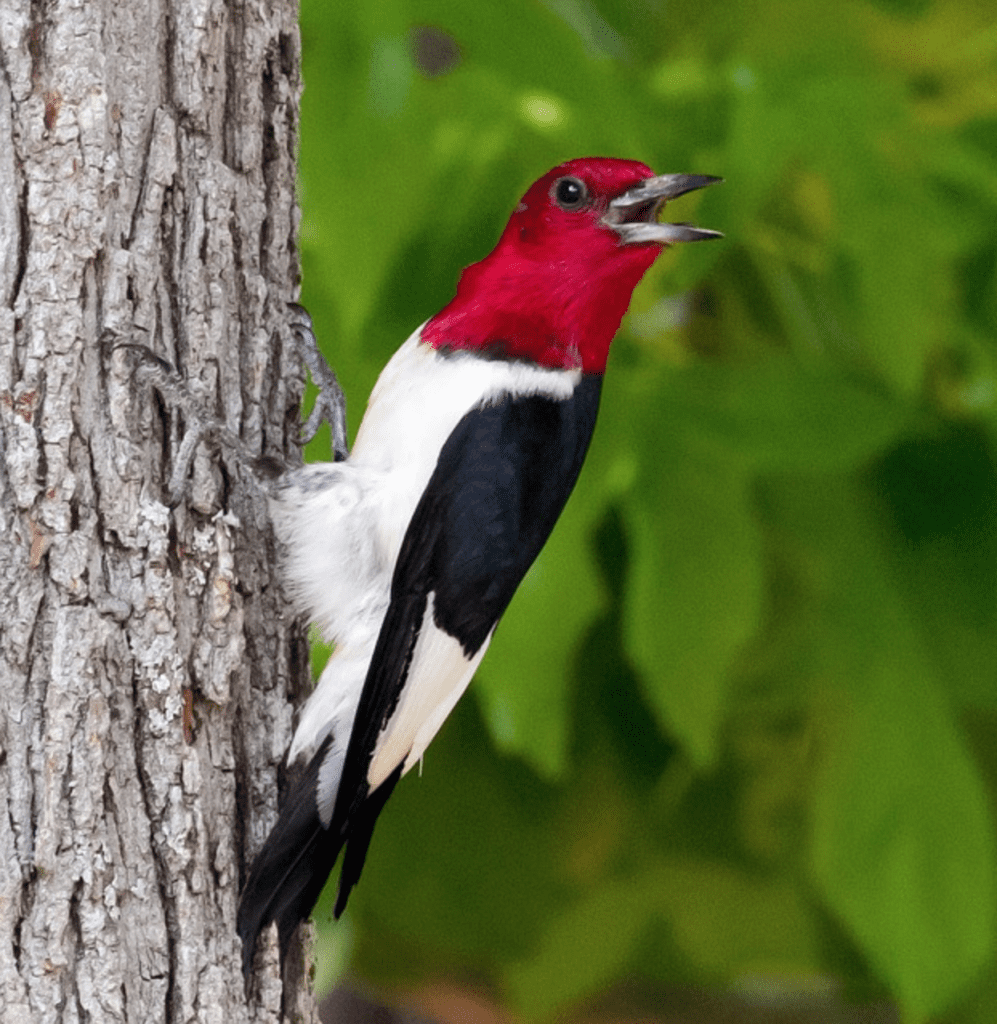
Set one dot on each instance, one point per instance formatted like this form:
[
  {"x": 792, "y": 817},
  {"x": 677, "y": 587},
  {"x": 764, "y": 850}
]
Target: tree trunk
[{"x": 147, "y": 153}]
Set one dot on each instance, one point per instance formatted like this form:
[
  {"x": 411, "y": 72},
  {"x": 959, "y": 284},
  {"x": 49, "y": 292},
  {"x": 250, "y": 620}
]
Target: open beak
[{"x": 634, "y": 214}]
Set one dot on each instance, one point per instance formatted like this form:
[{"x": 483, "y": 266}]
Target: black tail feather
[
  {"x": 290, "y": 870},
  {"x": 303, "y": 885},
  {"x": 282, "y": 877},
  {"x": 361, "y": 828}
]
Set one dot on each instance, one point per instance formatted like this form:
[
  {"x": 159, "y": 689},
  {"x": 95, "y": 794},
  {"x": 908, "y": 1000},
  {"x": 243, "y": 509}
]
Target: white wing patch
[{"x": 439, "y": 673}]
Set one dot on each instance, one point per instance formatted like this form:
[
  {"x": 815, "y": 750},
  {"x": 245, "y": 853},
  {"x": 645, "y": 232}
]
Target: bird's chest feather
[{"x": 419, "y": 399}]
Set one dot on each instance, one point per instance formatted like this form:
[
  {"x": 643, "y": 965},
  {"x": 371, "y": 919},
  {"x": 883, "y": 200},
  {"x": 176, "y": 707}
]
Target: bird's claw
[
  {"x": 330, "y": 404},
  {"x": 154, "y": 371}
]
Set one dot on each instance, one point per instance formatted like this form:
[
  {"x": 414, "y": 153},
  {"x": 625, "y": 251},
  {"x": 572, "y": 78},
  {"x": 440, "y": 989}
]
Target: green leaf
[
  {"x": 780, "y": 415},
  {"x": 903, "y": 846},
  {"x": 940, "y": 492},
  {"x": 694, "y": 592}
]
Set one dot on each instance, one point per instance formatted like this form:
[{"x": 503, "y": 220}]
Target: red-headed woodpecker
[{"x": 407, "y": 553}]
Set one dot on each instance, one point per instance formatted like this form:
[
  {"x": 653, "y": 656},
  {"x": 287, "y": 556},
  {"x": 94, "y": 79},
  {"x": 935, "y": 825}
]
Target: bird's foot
[
  {"x": 330, "y": 405},
  {"x": 151, "y": 370}
]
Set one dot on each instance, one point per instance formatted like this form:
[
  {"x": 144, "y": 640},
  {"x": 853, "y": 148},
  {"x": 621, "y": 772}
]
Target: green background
[{"x": 738, "y": 726}]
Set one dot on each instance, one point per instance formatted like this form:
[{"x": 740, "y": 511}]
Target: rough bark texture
[{"x": 146, "y": 187}]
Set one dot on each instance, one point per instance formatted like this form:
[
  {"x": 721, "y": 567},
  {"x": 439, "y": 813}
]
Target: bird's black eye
[{"x": 570, "y": 193}]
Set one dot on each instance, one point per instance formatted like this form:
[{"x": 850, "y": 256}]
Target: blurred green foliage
[{"x": 739, "y": 721}]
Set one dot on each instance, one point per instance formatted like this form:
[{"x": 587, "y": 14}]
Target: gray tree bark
[{"x": 147, "y": 154}]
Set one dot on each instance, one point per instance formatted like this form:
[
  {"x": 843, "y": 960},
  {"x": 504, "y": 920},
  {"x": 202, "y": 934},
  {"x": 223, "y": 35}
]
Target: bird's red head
[{"x": 556, "y": 286}]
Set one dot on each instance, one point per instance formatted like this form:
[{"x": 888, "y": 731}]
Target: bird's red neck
[{"x": 553, "y": 297}]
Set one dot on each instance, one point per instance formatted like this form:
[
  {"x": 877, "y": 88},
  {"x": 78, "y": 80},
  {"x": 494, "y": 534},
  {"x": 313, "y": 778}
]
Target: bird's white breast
[{"x": 419, "y": 398}]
